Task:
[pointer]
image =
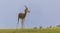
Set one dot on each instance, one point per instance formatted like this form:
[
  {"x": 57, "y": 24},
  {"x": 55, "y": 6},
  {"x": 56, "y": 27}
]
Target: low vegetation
[{"x": 43, "y": 30}]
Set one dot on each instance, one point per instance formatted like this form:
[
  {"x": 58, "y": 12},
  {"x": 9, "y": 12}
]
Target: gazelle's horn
[{"x": 25, "y": 6}]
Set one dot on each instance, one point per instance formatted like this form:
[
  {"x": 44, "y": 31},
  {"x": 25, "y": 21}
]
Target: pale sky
[{"x": 42, "y": 13}]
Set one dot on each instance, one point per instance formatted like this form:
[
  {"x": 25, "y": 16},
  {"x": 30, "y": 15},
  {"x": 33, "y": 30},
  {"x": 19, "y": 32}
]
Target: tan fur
[{"x": 22, "y": 16}]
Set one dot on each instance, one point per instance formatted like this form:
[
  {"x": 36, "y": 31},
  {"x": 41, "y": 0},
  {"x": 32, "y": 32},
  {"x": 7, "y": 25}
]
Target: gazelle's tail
[{"x": 17, "y": 23}]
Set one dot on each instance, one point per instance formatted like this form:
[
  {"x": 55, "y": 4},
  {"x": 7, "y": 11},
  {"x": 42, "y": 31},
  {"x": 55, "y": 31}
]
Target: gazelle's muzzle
[{"x": 28, "y": 11}]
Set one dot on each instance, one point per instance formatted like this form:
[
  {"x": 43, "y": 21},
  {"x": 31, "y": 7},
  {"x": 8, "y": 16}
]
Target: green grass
[{"x": 43, "y": 30}]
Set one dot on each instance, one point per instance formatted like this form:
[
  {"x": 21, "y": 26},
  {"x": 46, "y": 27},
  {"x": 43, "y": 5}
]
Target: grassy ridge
[{"x": 43, "y": 30}]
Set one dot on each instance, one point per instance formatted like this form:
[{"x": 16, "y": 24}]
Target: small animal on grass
[{"x": 23, "y": 15}]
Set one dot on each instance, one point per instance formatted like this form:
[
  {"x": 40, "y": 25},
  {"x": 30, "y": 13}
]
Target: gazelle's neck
[
  {"x": 25, "y": 13},
  {"x": 26, "y": 10}
]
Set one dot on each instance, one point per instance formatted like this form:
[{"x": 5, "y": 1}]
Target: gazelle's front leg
[{"x": 22, "y": 23}]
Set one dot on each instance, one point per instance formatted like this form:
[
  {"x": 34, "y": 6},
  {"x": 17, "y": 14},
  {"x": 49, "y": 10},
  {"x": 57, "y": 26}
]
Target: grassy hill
[{"x": 43, "y": 30}]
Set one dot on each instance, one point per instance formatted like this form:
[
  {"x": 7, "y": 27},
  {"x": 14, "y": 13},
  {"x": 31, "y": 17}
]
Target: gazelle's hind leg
[{"x": 22, "y": 23}]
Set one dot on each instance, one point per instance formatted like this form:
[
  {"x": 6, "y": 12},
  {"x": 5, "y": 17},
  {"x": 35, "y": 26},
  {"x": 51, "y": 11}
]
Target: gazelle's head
[{"x": 27, "y": 10}]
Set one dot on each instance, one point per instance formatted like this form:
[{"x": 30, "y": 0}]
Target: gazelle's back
[{"x": 21, "y": 15}]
